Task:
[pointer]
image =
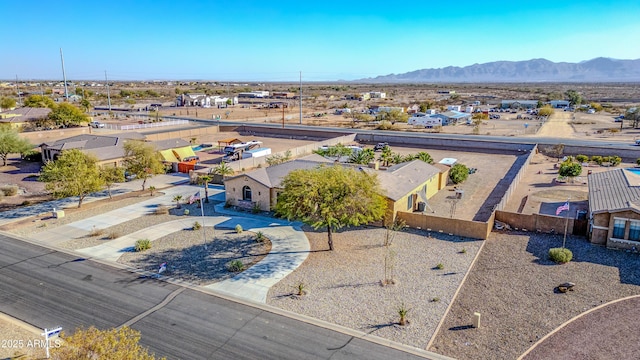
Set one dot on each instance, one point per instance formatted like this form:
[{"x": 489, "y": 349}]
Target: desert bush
[
  {"x": 463, "y": 251},
  {"x": 260, "y": 237},
  {"x": 638, "y": 161},
  {"x": 32, "y": 156},
  {"x": 96, "y": 232},
  {"x": 235, "y": 266},
  {"x": 256, "y": 208},
  {"x": 386, "y": 125},
  {"x": 161, "y": 210},
  {"x": 560, "y": 255},
  {"x": 227, "y": 204},
  {"x": 440, "y": 266},
  {"x": 615, "y": 160},
  {"x": 301, "y": 289},
  {"x": 9, "y": 190},
  {"x": 597, "y": 159},
  {"x": 403, "y": 311},
  {"x": 142, "y": 245},
  {"x": 582, "y": 158},
  {"x": 435, "y": 299},
  {"x": 196, "y": 226},
  {"x": 238, "y": 229},
  {"x": 113, "y": 235}
]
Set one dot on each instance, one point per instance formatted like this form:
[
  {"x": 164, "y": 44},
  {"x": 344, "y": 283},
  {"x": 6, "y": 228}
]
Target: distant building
[
  {"x": 377, "y": 95},
  {"x": 519, "y": 104},
  {"x": 559, "y": 103},
  {"x": 23, "y": 117}
]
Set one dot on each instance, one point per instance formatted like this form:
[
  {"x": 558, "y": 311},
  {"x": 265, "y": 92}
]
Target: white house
[
  {"x": 454, "y": 108},
  {"x": 426, "y": 120},
  {"x": 378, "y": 95}
]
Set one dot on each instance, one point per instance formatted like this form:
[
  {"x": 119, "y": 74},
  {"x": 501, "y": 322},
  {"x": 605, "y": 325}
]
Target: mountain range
[{"x": 536, "y": 70}]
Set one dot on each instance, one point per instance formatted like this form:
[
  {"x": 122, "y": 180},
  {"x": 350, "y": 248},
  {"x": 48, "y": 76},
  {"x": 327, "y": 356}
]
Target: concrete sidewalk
[
  {"x": 81, "y": 228},
  {"x": 159, "y": 181},
  {"x": 290, "y": 248}
]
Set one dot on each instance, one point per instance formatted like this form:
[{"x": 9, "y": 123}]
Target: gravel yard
[
  {"x": 17, "y": 341},
  {"x": 189, "y": 260},
  {"x": 344, "y": 286},
  {"x": 512, "y": 287}
]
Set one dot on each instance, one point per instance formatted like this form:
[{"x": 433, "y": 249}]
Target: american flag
[
  {"x": 163, "y": 268},
  {"x": 562, "y": 208},
  {"x": 195, "y": 197}
]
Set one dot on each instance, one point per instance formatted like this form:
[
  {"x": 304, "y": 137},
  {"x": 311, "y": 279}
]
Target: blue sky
[{"x": 326, "y": 40}]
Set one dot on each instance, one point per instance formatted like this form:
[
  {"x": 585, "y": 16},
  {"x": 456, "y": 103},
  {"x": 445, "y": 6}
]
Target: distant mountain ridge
[{"x": 535, "y": 70}]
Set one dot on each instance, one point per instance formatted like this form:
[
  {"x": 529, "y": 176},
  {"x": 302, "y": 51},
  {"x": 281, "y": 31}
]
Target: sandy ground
[{"x": 512, "y": 287}]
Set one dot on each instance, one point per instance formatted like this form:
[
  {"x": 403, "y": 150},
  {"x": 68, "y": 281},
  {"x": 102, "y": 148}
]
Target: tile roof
[
  {"x": 24, "y": 114},
  {"x": 614, "y": 190},
  {"x": 170, "y": 144}
]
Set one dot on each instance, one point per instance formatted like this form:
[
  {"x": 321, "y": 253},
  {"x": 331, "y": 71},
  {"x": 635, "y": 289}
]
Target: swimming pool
[
  {"x": 202, "y": 147},
  {"x": 634, "y": 170}
]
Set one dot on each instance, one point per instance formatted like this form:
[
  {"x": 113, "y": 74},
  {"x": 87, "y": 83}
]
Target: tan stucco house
[
  {"x": 614, "y": 209},
  {"x": 405, "y": 185}
]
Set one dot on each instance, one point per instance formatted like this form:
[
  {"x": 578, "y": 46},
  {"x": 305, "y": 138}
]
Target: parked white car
[{"x": 96, "y": 124}]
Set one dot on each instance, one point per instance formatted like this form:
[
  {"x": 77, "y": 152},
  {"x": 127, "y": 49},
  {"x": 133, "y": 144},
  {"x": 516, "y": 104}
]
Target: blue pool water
[
  {"x": 635, "y": 171},
  {"x": 197, "y": 148}
]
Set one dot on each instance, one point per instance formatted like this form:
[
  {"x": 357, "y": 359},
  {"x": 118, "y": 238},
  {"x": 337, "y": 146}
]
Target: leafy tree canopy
[
  {"x": 7, "y": 103},
  {"x": 142, "y": 160},
  {"x": 570, "y": 169},
  {"x": 67, "y": 114},
  {"x": 575, "y": 98},
  {"x": 331, "y": 197},
  {"x": 74, "y": 173},
  {"x": 458, "y": 173},
  {"x": 11, "y": 143},
  {"x": 39, "y": 101}
]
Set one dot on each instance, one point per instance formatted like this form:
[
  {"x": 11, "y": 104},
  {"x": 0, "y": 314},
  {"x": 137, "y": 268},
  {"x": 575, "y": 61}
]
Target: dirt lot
[
  {"x": 24, "y": 174},
  {"x": 512, "y": 287}
]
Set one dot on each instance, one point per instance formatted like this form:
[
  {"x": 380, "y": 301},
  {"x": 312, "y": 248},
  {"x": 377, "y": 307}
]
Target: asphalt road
[
  {"x": 47, "y": 288},
  {"x": 498, "y": 139}
]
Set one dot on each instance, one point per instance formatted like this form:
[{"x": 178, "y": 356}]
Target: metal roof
[{"x": 614, "y": 190}]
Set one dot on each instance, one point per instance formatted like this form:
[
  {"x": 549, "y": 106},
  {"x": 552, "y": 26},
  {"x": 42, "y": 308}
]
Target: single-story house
[
  {"x": 453, "y": 117},
  {"x": 405, "y": 184},
  {"x": 202, "y": 100},
  {"x": 21, "y": 117},
  {"x": 519, "y": 104},
  {"x": 614, "y": 209},
  {"x": 109, "y": 150}
]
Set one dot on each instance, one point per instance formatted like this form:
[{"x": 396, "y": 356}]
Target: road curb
[{"x": 563, "y": 325}]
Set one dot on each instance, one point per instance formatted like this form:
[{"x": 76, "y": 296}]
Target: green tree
[
  {"x": 424, "y": 156},
  {"x": 73, "y": 174},
  {"x": 111, "y": 175},
  {"x": 7, "y": 103},
  {"x": 395, "y": 115},
  {"x": 362, "y": 157},
  {"x": 570, "y": 169},
  {"x": 223, "y": 170},
  {"x": 86, "y": 105},
  {"x": 142, "y": 160},
  {"x": 331, "y": 197},
  {"x": 92, "y": 343},
  {"x": 335, "y": 151},
  {"x": 205, "y": 180},
  {"x": 386, "y": 156},
  {"x": 11, "y": 143},
  {"x": 633, "y": 115},
  {"x": 458, "y": 173},
  {"x": 39, "y": 101},
  {"x": 575, "y": 98},
  {"x": 67, "y": 114}
]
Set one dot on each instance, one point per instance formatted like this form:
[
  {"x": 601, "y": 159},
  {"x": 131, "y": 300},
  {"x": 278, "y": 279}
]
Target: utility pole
[
  {"x": 108, "y": 95},
  {"x": 18, "y": 92},
  {"x": 64, "y": 77},
  {"x": 300, "y": 97}
]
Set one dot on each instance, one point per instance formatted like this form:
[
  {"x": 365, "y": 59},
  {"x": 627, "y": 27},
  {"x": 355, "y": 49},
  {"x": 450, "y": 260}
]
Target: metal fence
[{"x": 146, "y": 126}]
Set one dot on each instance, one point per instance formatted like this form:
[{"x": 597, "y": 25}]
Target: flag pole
[
  {"x": 204, "y": 234},
  {"x": 566, "y": 224}
]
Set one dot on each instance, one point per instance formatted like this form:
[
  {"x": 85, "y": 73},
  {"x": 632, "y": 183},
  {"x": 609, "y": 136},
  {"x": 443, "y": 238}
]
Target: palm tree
[
  {"x": 223, "y": 169},
  {"x": 205, "y": 179},
  {"x": 386, "y": 156},
  {"x": 177, "y": 199},
  {"x": 362, "y": 157},
  {"x": 424, "y": 156}
]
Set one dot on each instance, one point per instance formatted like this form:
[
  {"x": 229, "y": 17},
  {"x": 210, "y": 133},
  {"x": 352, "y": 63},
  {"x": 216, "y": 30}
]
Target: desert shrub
[
  {"x": 463, "y": 251},
  {"x": 435, "y": 299},
  {"x": 582, "y": 158},
  {"x": 638, "y": 161},
  {"x": 615, "y": 160},
  {"x": 256, "y": 208},
  {"x": 196, "y": 226},
  {"x": 235, "y": 266},
  {"x": 24, "y": 203},
  {"x": 161, "y": 210},
  {"x": 142, "y": 245},
  {"x": 597, "y": 159},
  {"x": 113, "y": 235},
  {"x": 96, "y": 232},
  {"x": 440, "y": 266},
  {"x": 458, "y": 173},
  {"x": 32, "y": 156},
  {"x": 301, "y": 289},
  {"x": 560, "y": 255},
  {"x": 9, "y": 190},
  {"x": 227, "y": 204},
  {"x": 238, "y": 229},
  {"x": 386, "y": 125},
  {"x": 260, "y": 237}
]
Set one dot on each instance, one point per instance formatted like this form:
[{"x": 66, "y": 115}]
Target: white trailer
[{"x": 256, "y": 153}]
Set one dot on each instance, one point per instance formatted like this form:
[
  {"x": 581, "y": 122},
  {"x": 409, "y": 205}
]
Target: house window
[
  {"x": 246, "y": 193},
  {"x": 618, "y": 228},
  {"x": 410, "y": 202},
  {"x": 634, "y": 230}
]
